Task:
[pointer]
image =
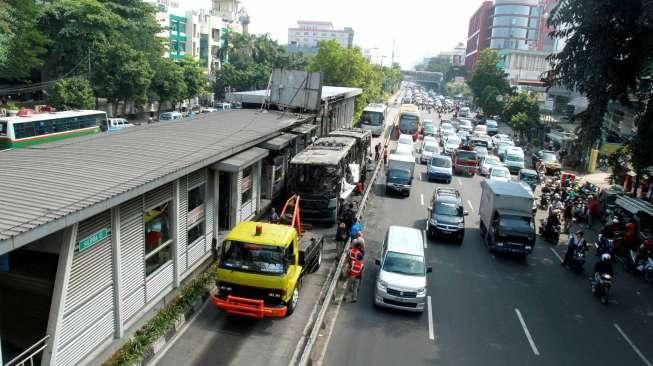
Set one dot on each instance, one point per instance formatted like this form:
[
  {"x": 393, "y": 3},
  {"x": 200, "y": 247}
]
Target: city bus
[
  {"x": 410, "y": 121},
  {"x": 373, "y": 118},
  {"x": 30, "y": 128}
]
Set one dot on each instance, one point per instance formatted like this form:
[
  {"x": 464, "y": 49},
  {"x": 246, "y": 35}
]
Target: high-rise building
[
  {"x": 477, "y": 38},
  {"x": 308, "y": 34},
  {"x": 456, "y": 56}
]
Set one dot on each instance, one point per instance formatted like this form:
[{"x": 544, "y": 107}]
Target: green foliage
[
  {"x": 522, "y": 102},
  {"x": 347, "y": 67},
  {"x": 135, "y": 349},
  {"x": 72, "y": 93},
  {"x": 487, "y": 81},
  {"x": 435, "y": 64},
  {"x": 168, "y": 84},
  {"x": 22, "y": 44},
  {"x": 125, "y": 74},
  {"x": 640, "y": 145},
  {"x": 607, "y": 48},
  {"x": 194, "y": 77},
  {"x": 454, "y": 89}
]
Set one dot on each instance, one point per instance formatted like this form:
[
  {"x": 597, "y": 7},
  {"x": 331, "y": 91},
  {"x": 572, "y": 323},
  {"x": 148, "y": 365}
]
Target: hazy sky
[{"x": 420, "y": 27}]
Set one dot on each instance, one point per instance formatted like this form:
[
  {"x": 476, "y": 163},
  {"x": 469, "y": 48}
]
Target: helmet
[
  {"x": 605, "y": 257},
  {"x": 615, "y": 220},
  {"x": 556, "y": 196}
]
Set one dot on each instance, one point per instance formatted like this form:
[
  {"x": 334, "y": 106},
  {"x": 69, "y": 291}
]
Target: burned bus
[
  {"x": 322, "y": 174},
  {"x": 363, "y": 148}
]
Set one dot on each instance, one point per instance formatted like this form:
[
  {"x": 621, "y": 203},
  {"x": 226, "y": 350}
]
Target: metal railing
[{"x": 31, "y": 356}]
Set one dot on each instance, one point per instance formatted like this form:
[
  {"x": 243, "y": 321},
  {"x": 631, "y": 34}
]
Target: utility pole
[{"x": 393, "y": 53}]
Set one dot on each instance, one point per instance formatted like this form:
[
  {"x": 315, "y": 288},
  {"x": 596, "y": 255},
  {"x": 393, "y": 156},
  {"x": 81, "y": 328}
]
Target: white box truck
[
  {"x": 506, "y": 217},
  {"x": 399, "y": 176}
]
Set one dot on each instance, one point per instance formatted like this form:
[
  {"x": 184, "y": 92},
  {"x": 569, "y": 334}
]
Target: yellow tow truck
[{"x": 261, "y": 265}]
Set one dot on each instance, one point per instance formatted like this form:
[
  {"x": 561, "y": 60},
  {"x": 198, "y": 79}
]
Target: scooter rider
[
  {"x": 575, "y": 243},
  {"x": 604, "y": 266},
  {"x": 551, "y": 221}
]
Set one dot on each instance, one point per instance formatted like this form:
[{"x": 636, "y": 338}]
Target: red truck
[{"x": 465, "y": 162}]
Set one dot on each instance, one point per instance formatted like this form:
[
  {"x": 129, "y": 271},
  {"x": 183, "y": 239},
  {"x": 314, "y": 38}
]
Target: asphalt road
[{"x": 487, "y": 309}]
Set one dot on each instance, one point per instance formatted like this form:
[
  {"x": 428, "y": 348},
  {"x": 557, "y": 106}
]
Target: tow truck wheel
[{"x": 294, "y": 300}]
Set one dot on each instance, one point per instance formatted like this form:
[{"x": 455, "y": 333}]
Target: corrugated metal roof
[
  {"x": 278, "y": 142},
  {"x": 258, "y": 96},
  {"x": 47, "y": 188},
  {"x": 242, "y": 159}
]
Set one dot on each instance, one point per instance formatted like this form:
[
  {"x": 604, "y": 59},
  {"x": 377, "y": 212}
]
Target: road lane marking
[
  {"x": 459, "y": 182},
  {"x": 421, "y": 199},
  {"x": 430, "y": 311},
  {"x": 633, "y": 346},
  {"x": 470, "y": 205},
  {"x": 528, "y": 334},
  {"x": 424, "y": 237},
  {"x": 556, "y": 254}
]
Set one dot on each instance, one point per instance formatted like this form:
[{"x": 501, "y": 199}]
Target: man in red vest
[{"x": 355, "y": 273}]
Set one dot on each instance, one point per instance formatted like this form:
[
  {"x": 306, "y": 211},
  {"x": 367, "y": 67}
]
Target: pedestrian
[
  {"x": 377, "y": 151},
  {"x": 355, "y": 273},
  {"x": 385, "y": 155},
  {"x": 349, "y": 215},
  {"x": 355, "y": 229},
  {"x": 274, "y": 216},
  {"x": 341, "y": 237},
  {"x": 358, "y": 243}
]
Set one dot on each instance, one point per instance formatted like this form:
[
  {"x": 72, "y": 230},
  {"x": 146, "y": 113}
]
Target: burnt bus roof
[
  {"x": 325, "y": 151},
  {"x": 357, "y": 133}
]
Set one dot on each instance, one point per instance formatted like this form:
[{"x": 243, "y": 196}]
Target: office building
[{"x": 308, "y": 34}]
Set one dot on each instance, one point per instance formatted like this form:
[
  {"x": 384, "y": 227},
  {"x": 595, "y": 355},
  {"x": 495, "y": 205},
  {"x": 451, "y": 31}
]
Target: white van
[
  {"x": 401, "y": 279},
  {"x": 115, "y": 124},
  {"x": 170, "y": 116},
  {"x": 514, "y": 159}
]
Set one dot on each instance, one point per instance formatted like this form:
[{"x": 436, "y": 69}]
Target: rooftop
[
  {"x": 258, "y": 96},
  {"x": 50, "y": 187}
]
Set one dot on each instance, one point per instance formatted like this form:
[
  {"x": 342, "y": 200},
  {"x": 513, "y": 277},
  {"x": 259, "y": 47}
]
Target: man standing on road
[
  {"x": 377, "y": 151},
  {"x": 355, "y": 229},
  {"x": 355, "y": 274},
  {"x": 385, "y": 155}
]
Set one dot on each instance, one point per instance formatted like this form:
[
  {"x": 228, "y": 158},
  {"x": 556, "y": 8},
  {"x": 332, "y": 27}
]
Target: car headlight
[
  {"x": 528, "y": 247},
  {"x": 421, "y": 291},
  {"x": 499, "y": 244},
  {"x": 226, "y": 288},
  {"x": 461, "y": 225},
  {"x": 433, "y": 222},
  {"x": 381, "y": 285}
]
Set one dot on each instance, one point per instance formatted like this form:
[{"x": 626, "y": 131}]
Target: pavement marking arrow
[
  {"x": 528, "y": 334},
  {"x": 431, "y": 327},
  {"x": 633, "y": 346}
]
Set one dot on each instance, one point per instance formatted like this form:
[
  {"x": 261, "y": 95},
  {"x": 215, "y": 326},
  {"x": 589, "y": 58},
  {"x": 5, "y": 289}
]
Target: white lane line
[
  {"x": 470, "y": 205},
  {"x": 421, "y": 199},
  {"x": 633, "y": 346},
  {"x": 424, "y": 238},
  {"x": 430, "y": 310},
  {"x": 528, "y": 334},
  {"x": 459, "y": 182},
  {"x": 556, "y": 254}
]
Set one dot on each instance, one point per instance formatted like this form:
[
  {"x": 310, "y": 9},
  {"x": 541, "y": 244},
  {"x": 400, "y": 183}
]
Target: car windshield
[
  {"x": 548, "y": 157},
  {"x": 492, "y": 160},
  {"x": 453, "y": 140},
  {"x": 372, "y": 118},
  {"x": 398, "y": 174},
  {"x": 441, "y": 162},
  {"x": 408, "y": 122},
  {"x": 528, "y": 177},
  {"x": 254, "y": 258},
  {"x": 466, "y": 155},
  {"x": 514, "y": 223},
  {"x": 431, "y": 148},
  {"x": 429, "y": 129},
  {"x": 405, "y": 264},
  {"x": 515, "y": 158},
  {"x": 480, "y": 150},
  {"x": 500, "y": 173},
  {"x": 446, "y": 209}
]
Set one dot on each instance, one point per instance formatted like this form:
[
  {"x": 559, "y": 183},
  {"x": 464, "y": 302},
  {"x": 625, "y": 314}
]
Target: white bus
[{"x": 373, "y": 118}]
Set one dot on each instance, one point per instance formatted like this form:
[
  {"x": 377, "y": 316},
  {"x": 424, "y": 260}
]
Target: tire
[
  {"x": 294, "y": 300},
  {"x": 648, "y": 275}
]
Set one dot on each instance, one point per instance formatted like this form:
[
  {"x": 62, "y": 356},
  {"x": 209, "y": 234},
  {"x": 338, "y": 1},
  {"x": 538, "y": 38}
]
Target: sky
[{"x": 420, "y": 28}]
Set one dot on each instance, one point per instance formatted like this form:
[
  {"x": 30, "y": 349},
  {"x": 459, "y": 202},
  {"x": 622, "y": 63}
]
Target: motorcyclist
[
  {"x": 604, "y": 266},
  {"x": 575, "y": 243},
  {"x": 551, "y": 221},
  {"x": 631, "y": 236},
  {"x": 608, "y": 231}
]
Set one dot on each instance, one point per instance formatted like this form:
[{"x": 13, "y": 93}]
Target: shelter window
[
  {"x": 246, "y": 185},
  {"x": 158, "y": 240},
  {"x": 195, "y": 217}
]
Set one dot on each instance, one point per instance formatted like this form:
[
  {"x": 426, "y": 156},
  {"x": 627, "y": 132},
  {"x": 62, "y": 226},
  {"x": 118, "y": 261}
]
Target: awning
[
  {"x": 279, "y": 142},
  {"x": 242, "y": 160}
]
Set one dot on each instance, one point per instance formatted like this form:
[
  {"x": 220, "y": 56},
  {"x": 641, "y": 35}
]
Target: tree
[
  {"x": 607, "y": 48},
  {"x": 6, "y": 33},
  {"x": 522, "y": 102},
  {"x": 194, "y": 77},
  {"x": 126, "y": 75},
  {"x": 520, "y": 122},
  {"x": 640, "y": 145},
  {"x": 168, "y": 84},
  {"x": 488, "y": 74},
  {"x": 454, "y": 89},
  {"x": 24, "y": 44},
  {"x": 72, "y": 93},
  {"x": 491, "y": 101}
]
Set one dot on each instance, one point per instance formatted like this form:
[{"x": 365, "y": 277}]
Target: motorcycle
[
  {"x": 544, "y": 200},
  {"x": 550, "y": 233},
  {"x": 642, "y": 266},
  {"x": 604, "y": 246},
  {"x": 578, "y": 260},
  {"x": 601, "y": 286}
]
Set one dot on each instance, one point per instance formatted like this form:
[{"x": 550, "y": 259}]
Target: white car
[
  {"x": 428, "y": 139},
  {"x": 451, "y": 144},
  {"x": 489, "y": 162},
  {"x": 429, "y": 150},
  {"x": 503, "y": 146},
  {"x": 403, "y": 149},
  {"x": 499, "y": 138},
  {"x": 405, "y": 139},
  {"x": 444, "y": 127},
  {"x": 480, "y": 130},
  {"x": 500, "y": 173}
]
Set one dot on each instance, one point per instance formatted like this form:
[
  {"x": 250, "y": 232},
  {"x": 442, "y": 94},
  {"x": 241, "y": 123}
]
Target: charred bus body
[
  {"x": 321, "y": 174},
  {"x": 363, "y": 148}
]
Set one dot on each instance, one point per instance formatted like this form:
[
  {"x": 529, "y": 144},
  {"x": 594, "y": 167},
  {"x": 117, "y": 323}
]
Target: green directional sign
[{"x": 93, "y": 239}]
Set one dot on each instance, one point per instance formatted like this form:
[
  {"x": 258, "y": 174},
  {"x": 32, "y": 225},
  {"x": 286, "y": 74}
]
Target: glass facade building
[{"x": 515, "y": 25}]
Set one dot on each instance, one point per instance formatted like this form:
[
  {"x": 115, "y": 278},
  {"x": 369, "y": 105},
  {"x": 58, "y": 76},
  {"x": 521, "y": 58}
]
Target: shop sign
[
  {"x": 246, "y": 183},
  {"x": 93, "y": 239},
  {"x": 195, "y": 215}
]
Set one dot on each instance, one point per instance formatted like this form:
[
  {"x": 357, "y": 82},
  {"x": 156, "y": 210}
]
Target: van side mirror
[
  {"x": 429, "y": 269},
  {"x": 377, "y": 262},
  {"x": 466, "y": 213}
]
